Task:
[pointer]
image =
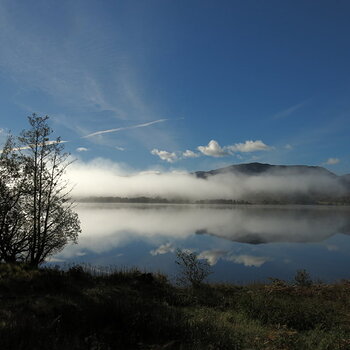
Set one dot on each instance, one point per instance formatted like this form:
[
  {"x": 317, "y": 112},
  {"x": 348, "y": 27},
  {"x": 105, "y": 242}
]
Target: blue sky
[{"x": 265, "y": 81}]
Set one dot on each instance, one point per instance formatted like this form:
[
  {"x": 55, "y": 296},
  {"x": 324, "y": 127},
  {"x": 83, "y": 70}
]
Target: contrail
[
  {"x": 125, "y": 128},
  {"x": 287, "y": 112},
  {"x": 105, "y": 132}
]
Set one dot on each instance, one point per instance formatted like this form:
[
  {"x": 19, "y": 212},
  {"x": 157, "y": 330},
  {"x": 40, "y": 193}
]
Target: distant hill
[
  {"x": 324, "y": 195},
  {"x": 345, "y": 179},
  {"x": 251, "y": 169}
]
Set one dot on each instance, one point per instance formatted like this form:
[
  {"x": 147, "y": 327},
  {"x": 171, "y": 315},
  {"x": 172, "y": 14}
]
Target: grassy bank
[{"x": 75, "y": 309}]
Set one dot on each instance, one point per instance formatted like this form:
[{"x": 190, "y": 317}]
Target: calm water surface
[{"x": 242, "y": 243}]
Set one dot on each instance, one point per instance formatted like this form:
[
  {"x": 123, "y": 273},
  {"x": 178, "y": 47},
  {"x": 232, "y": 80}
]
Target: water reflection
[{"x": 146, "y": 234}]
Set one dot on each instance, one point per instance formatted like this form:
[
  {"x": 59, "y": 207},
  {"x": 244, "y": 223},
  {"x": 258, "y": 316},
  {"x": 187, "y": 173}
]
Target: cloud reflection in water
[{"x": 108, "y": 226}]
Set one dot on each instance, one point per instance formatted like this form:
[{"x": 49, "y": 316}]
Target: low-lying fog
[{"x": 105, "y": 178}]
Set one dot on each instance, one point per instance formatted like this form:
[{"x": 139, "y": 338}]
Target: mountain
[
  {"x": 315, "y": 185},
  {"x": 251, "y": 169},
  {"x": 345, "y": 179}
]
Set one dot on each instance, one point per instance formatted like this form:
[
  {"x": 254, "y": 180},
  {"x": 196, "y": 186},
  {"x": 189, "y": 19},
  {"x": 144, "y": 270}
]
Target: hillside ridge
[{"x": 260, "y": 168}]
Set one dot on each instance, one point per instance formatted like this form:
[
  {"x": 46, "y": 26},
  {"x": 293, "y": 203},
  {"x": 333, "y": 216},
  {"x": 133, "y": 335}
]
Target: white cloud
[
  {"x": 248, "y": 260},
  {"x": 170, "y": 157},
  {"x": 288, "y": 146},
  {"x": 332, "y": 161},
  {"x": 82, "y": 149},
  {"x": 120, "y": 148},
  {"x": 190, "y": 154},
  {"x": 212, "y": 256},
  {"x": 248, "y": 146},
  {"x": 213, "y": 149},
  {"x": 163, "y": 249}
]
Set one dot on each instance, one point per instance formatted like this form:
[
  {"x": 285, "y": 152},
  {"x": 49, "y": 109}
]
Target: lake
[{"x": 241, "y": 243}]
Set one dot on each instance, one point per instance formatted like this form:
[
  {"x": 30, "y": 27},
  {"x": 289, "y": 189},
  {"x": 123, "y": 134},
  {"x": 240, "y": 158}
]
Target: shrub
[
  {"x": 193, "y": 271},
  {"x": 302, "y": 278}
]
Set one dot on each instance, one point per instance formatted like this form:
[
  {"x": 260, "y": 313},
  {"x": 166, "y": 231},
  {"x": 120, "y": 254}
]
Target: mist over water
[
  {"x": 254, "y": 241},
  {"x": 245, "y": 242},
  {"x": 101, "y": 177}
]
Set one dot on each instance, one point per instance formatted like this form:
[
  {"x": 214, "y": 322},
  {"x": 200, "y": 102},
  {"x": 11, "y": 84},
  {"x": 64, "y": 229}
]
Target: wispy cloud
[
  {"x": 71, "y": 71},
  {"x": 143, "y": 125},
  {"x": 332, "y": 161},
  {"x": 287, "y": 112},
  {"x": 55, "y": 142}
]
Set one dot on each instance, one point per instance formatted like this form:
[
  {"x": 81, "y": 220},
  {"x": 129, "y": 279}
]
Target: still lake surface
[{"x": 242, "y": 243}]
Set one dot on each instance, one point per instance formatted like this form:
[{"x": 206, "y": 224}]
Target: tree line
[{"x": 36, "y": 215}]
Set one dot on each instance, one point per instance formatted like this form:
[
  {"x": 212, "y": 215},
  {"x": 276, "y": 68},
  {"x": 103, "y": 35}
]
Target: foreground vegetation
[{"x": 80, "y": 309}]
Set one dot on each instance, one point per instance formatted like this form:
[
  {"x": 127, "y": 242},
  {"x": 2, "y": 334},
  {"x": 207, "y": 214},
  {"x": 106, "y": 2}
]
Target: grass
[{"x": 84, "y": 308}]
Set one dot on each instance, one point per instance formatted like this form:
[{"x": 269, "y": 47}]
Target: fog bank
[{"x": 105, "y": 178}]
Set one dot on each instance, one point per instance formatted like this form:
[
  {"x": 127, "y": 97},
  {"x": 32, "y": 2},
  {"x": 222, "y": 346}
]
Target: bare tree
[
  {"x": 193, "y": 271},
  {"x": 13, "y": 240},
  {"x": 50, "y": 221}
]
